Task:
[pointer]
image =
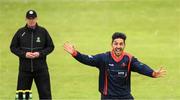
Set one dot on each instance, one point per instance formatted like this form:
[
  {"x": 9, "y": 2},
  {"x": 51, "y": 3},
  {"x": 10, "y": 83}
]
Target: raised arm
[
  {"x": 85, "y": 59},
  {"x": 144, "y": 69}
]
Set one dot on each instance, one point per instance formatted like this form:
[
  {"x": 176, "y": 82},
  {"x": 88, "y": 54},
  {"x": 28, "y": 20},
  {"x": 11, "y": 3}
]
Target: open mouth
[{"x": 118, "y": 50}]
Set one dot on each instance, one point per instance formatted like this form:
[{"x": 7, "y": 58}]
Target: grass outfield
[{"x": 153, "y": 36}]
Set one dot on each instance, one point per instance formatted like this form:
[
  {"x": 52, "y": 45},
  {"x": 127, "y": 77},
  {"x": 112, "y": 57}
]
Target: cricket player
[
  {"x": 115, "y": 68},
  {"x": 32, "y": 43}
]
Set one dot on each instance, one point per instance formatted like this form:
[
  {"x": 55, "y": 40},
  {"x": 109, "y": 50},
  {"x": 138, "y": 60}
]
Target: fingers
[
  {"x": 32, "y": 55},
  {"x": 67, "y": 43},
  {"x": 35, "y": 54},
  {"x": 68, "y": 47},
  {"x": 162, "y": 70},
  {"x": 160, "y": 73}
]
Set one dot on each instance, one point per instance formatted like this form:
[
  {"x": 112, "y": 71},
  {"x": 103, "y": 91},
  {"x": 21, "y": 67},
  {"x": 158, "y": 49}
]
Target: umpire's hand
[{"x": 32, "y": 55}]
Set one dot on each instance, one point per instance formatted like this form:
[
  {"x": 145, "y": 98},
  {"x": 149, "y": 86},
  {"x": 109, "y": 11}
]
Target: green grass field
[{"x": 152, "y": 28}]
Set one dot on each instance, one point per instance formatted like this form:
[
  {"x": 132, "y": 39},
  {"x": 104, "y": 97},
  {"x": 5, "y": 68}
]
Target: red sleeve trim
[
  {"x": 74, "y": 53},
  {"x": 105, "y": 84}
]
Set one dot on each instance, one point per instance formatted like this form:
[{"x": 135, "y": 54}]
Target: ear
[
  {"x": 111, "y": 44},
  {"x": 124, "y": 46}
]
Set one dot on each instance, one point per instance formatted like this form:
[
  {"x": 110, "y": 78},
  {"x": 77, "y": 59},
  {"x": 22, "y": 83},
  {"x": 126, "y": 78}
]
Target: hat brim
[{"x": 31, "y": 17}]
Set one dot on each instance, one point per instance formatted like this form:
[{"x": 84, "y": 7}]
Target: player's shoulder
[
  {"x": 103, "y": 54},
  {"x": 128, "y": 55},
  {"x": 108, "y": 53}
]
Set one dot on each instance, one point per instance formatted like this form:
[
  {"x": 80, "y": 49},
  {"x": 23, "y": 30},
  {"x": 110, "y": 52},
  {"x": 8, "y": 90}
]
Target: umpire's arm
[
  {"x": 15, "y": 47},
  {"x": 49, "y": 46}
]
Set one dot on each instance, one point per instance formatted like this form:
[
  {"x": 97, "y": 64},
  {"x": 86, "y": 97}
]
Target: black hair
[{"x": 118, "y": 35}]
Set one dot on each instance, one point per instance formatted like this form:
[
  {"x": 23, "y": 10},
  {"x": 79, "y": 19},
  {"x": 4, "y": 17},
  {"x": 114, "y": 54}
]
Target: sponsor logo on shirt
[
  {"x": 123, "y": 65},
  {"x": 111, "y": 64},
  {"x": 23, "y": 34},
  {"x": 90, "y": 56},
  {"x": 38, "y": 39}
]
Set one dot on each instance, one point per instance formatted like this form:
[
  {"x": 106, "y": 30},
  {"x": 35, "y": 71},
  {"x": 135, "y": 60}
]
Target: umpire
[{"x": 32, "y": 43}]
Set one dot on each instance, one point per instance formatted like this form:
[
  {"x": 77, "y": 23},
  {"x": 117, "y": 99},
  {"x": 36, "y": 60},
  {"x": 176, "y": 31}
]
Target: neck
[
  {"x": 117, "y": 58},
  {"x": 117, "y": 55},
  {"x": 32, "y": 27}
]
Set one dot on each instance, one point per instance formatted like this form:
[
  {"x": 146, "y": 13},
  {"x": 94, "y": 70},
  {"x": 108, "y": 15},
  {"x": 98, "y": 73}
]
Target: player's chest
[
  {"x": 121, "y": 65},
  {"x": 117, "y": 69}
]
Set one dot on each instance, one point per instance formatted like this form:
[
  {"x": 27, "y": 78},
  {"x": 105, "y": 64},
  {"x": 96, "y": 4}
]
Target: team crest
[
  {"x": 38, "y": 39},
  {"x": 123, "y": 65}
]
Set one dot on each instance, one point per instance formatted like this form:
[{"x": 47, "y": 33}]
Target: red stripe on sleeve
[
  {"x": 74, "y": 53},
  {"x": 105, "y": 84}
]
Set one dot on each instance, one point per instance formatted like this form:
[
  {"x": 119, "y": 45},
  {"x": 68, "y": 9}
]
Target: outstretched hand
[
  {"x": 69, "y": 47},
  {"x": 159, "y": 73}
]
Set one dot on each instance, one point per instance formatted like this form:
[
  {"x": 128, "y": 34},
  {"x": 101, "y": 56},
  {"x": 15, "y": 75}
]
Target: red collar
[{"x": 115, "y": 58}]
